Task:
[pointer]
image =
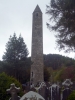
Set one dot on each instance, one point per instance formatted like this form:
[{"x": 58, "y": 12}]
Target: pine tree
[
  {"x": 62, "y": 13},
  {"x": 15, "y": 57},
  {"x": 16, "y": 49}
]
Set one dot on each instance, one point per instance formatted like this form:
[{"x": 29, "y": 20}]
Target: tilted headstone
[{"x": 13, "y": 91}]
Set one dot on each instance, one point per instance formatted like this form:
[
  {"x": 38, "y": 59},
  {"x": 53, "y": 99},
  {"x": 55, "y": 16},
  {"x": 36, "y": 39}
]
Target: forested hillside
[
  {"x": 57, "y": 61},
  {"x": 58, "y": 66}
]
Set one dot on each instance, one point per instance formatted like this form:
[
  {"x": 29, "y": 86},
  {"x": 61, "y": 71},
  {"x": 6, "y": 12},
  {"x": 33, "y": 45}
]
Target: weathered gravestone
[
  {"x": 45, "y": 90},
  {"x": 55, "y": 92},
  {"x": 65, "y": 93},
  {"x": 41, "y": 89},
  {"x": 42, "y": 92},
  {"x": 67, "y": 83},
  {"x": 32, "y": 96},
  {"x": 48, "y": 91},
  {"x": 73, "y": 86},
  {"x": 13, "y": 91}
]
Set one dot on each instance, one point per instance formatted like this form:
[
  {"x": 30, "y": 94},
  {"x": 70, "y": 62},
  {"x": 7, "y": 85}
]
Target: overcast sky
[{"x": 16, "y": 16}]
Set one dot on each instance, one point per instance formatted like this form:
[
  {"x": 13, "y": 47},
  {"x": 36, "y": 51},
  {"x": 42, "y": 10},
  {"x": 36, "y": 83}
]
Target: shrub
[
  {"x": 5, "y": 82},
  {"x": 72, "y": 96}
]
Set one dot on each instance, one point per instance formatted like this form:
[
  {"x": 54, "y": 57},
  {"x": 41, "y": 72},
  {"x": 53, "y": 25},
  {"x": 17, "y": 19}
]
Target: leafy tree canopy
[
  {"x": 64, "y": 73},
  {"x": 62, "y": 12},
  {"x": 5, "y": 82},
  {"x": 47, "y": 73},
  {"x": 16, "y": 49}
]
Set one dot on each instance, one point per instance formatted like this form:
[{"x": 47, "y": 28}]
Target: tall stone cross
[
  {"x": 37, "y": 48},
  {"x": 13, "y": 91}
]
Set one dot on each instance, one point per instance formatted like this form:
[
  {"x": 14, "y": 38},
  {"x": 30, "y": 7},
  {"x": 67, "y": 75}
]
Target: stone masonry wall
[{"x": 37, "y": 48}]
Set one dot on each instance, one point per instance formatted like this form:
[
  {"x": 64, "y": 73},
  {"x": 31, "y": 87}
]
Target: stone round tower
[{"x": 37, "y": 48}]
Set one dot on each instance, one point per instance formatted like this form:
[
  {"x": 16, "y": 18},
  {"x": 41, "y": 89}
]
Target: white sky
[{"x": 16, "y": 16}]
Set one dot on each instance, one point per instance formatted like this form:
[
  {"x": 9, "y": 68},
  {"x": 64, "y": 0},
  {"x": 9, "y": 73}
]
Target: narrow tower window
[
  {"x": 32, "y": 74},
  {"x": 36, "y": 14}
]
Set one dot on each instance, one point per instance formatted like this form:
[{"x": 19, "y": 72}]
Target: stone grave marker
[
  {"x": 67, "y": 83},
  {"x": 32, "y": 96},
  {"x": 55, "y": 92},
  {"x": 13, "y": 91},
  {"x": 65, "y": 93},
  {"x": 41, "y": 89}
]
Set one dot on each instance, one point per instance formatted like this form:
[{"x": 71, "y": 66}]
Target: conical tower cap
[{"x": 37, "y": 9}]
